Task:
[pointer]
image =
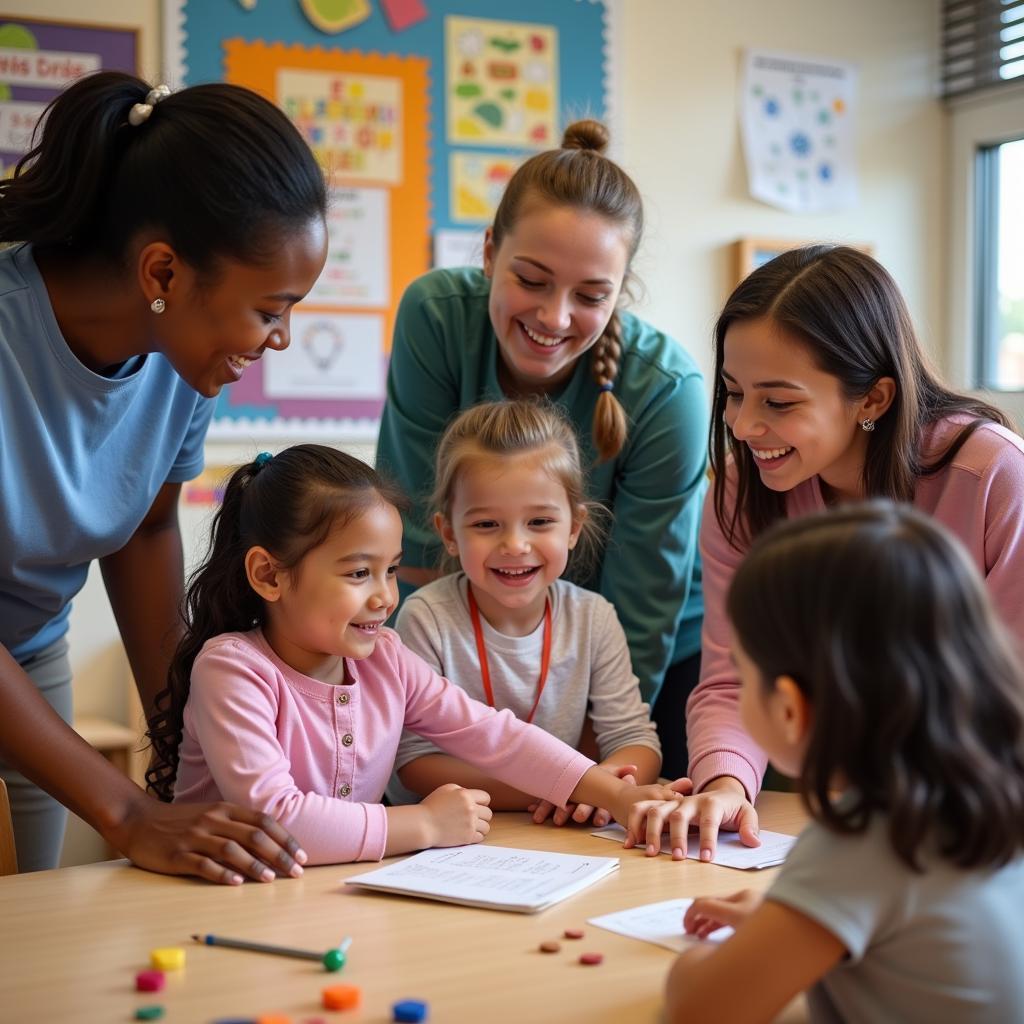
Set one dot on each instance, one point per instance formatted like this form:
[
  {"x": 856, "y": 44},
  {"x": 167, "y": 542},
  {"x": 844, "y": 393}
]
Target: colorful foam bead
[
  {"x": 150, "y": 981},
  {"x": 409, "y": 1010},
  {"x": 342, "y": 997},
  {"x": 171, "y": 958}
]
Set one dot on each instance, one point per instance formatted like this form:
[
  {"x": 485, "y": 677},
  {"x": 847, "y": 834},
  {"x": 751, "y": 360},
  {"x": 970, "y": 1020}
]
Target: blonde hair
[
  {"x": 580, "y": 175},
  {"x": 513, "y": 427}
]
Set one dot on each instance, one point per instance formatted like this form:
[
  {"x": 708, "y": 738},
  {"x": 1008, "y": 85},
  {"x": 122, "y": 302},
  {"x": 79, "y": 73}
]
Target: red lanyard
[{"x": 481, "y": 650}]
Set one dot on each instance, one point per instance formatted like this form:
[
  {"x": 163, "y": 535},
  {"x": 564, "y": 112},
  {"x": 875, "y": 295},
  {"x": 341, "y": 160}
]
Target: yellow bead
[{"x": 170, "y": 959}]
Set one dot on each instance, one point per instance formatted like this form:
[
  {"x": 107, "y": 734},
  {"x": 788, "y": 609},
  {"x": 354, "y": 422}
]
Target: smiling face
[
  {"x": 334, "y": 603},
  {"x": 210, "y": 333},
  {"x": 555, "y": 280},
  {"x": 512, "y": 529},
  {"x": 793, "y": 416}
]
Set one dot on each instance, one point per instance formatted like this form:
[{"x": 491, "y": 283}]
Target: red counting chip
[
  {"x": 573, "y": 933},
  {"x": 591, "y": 959}
]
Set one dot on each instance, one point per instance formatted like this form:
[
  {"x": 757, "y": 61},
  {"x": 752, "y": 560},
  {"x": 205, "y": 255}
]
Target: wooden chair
[{"x": 8, "y": 857}]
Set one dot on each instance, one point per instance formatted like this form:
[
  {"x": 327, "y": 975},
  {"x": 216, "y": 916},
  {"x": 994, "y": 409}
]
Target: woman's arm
[
  {"x": 651, "y": 551},
  {"x": 214, "y": 841},
  {"x": 145, "y": 582},
  {"x": 718, "y": 744}
]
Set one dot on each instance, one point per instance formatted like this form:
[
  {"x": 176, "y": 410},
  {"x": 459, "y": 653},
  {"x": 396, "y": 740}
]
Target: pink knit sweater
[
  {"x": 318, "y": 757},
  {"x": 979, "y": 496}
]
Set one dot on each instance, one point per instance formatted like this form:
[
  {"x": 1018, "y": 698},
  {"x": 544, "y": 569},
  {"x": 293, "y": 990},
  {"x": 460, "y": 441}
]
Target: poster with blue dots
[{"x": 798, "y": 131}]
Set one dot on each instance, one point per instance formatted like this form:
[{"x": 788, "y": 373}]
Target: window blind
[{"x": 982, "y": 44}]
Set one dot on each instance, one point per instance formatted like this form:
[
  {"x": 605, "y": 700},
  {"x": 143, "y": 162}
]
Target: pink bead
[{"x": 149, "y": 981}]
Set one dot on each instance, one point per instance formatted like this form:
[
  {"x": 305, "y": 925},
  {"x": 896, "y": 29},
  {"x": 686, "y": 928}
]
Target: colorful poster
[
  {"x": 358, "y": 266},
  {"x": 352, "y": 122},
  {"x": 38, "y": 59},
  {"x": 477, "y": 183},
  {"x": 331, "y": 378},
  {"x": 332, "y": 356},
  {"x": 502, "y": 83},
  {"x": 798, "y": 131}
]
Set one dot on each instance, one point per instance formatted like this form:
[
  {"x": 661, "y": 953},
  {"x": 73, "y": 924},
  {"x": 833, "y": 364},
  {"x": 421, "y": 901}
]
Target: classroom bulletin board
[
  {"x": 39, "y": 58},
  {"x": 419, "y": 111}
]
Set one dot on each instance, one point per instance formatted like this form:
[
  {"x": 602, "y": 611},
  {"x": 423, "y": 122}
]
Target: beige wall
[
  {"x": 676, "y": 104},
  {"x": 681, "y": 141}
]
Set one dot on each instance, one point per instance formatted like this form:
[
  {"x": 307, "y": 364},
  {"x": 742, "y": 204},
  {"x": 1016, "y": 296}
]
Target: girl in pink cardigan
[
  {"x": 822, "y": 395},
  {"x": 288, "y": 694}
]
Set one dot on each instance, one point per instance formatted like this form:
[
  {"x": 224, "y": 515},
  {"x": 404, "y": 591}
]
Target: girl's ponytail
[{"x": 219, "y": 600}]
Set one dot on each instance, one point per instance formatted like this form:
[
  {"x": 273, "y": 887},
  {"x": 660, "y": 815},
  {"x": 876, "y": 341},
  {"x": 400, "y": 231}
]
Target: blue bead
[{"x": 409, "y": 1010}]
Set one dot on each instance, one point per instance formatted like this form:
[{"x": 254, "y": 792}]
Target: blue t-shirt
[{"x": 82, "y": 457}]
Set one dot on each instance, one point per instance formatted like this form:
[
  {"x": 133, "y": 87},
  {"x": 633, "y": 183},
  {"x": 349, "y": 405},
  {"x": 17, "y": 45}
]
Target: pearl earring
[
  {"x": 158, "y": 305},
  {"x": 867, "y": 425}
]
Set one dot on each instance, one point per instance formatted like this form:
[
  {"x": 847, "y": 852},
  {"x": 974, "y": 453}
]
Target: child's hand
[
  {"x": 707, "y": 915},
  {"x": 457, "y": 816},
  {"x": 632, "y": 803},
  {"x": 579, "y": 813}
]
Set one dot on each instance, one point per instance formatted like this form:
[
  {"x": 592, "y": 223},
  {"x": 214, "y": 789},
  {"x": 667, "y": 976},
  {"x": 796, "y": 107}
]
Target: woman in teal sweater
[{"x": 555, "y": 262}]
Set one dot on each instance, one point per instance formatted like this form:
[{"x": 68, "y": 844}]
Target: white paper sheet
[
  {"x": 731, "y": 853},
  {"x": 494, "y": 877},
  {"x": 660, "y": 923},
  {"x": 657, "y": 923}
]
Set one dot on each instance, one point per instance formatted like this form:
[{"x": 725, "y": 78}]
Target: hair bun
[{"x": 586, "y": 134}]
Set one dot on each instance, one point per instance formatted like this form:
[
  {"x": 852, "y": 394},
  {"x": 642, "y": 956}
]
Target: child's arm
[
  {"x": 777, "y": 951},
  {"x": 424, "y": 774}
]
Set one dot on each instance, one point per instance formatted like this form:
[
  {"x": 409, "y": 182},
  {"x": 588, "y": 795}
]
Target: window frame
[{"x": 977, "y": 123}]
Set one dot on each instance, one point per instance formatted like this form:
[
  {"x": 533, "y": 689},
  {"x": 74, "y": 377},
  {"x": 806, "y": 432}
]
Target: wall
[
  {"x": 681, "y": 142},
  {"x": 676, "y": 119}
]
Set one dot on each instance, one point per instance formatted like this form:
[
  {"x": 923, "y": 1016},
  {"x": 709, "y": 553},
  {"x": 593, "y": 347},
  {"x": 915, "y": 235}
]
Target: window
[{"x": 999, "y": 249}]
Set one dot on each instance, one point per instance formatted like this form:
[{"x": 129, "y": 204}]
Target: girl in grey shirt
[{"x": 875, "y": 672}]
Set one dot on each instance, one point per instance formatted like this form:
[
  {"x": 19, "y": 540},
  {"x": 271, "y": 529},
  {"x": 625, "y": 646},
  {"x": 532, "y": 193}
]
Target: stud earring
[
  {"x": 158, "y": 305},
  {"x": 867, "y": 425}
]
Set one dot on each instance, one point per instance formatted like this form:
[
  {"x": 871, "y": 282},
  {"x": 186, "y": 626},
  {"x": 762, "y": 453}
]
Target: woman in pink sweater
[
  {"x": 823, "y": 396},
  {"x": 287, "y": 688}
]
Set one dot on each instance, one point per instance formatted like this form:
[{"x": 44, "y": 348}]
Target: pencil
[{"x": 333, "y": 959}]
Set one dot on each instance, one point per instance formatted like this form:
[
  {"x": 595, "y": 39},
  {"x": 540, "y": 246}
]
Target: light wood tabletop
[{"x": 72, "y": 941}]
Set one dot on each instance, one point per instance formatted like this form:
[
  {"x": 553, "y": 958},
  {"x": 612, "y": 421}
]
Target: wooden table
[{"x": 73, "y": 939}]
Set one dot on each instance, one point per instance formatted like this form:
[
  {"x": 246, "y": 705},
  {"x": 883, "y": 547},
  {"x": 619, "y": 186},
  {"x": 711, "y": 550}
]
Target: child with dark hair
[
  {"x": 157, "y": 242},
  {"x": 875, "y": 671},
  {"x": 288, "y": 693}
]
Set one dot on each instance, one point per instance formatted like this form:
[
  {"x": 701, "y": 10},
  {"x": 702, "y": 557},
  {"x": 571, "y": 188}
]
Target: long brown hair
[
  {"x": 581, "y": 176},
  {"x": 917, "y": 698},
  {"x": 846, "y": 308},
  {"x": 288, "y": 504}
]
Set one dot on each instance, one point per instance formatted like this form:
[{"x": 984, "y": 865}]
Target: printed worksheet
[
  {"x": 660, "y": 923},
  {"x": 731, "y": 853},
  {"x": 495, "y": 877}
]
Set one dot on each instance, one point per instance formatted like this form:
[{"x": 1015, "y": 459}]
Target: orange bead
[{"x": 342, "y": 997}]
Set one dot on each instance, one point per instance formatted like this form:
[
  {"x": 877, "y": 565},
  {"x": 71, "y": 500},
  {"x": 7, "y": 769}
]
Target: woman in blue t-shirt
[{"x": 157, "y": 243}]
